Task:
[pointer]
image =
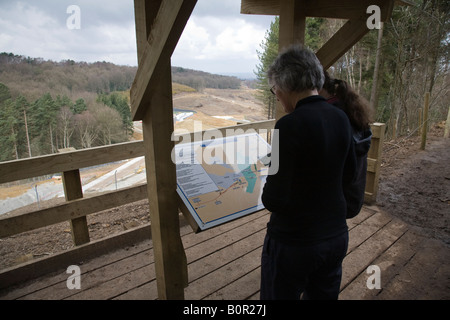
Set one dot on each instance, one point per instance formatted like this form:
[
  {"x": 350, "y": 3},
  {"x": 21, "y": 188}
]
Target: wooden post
[
  {"x": 292, "y": 31},
  {"x": 425, "y": 121},
  {"x": 374, "y": 162},
  {"x": 152, "y": 102},
  {"x": 73, "y": 190},
  {"x": 170, "y": 258},
  {"x": 447, "y": 125},
  {"x": 419, "y": 115}
]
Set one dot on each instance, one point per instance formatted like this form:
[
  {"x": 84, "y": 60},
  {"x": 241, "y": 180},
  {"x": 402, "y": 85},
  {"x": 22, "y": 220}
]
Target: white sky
[{"x": 217, "y": 38}]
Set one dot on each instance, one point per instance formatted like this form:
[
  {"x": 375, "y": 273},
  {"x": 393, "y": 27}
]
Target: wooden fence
[{"x": 76, "y": 208}]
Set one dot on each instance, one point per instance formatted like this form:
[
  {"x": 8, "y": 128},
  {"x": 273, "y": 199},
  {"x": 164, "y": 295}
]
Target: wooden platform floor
[{"x": 224, "y": 263}]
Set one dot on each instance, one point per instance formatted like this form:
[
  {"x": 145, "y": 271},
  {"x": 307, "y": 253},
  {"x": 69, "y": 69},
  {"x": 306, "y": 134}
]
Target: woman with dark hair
[
  {"x": 307, "y": 234},
  {"x": 340, "y": 94}
]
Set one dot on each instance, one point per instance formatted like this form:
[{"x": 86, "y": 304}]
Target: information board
[{"x": 222, "y": 179}]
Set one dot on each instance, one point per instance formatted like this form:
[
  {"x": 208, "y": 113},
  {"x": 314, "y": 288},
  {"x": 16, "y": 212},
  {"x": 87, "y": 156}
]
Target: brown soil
[{"x": 415, "y": 184}]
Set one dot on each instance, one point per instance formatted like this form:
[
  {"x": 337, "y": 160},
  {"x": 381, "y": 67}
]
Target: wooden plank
[
  {"x": 343, "y": 9},
  {"x": 49, "y": 164},
  {"x": 211, "y": 249},
  {"x": 165, "y": 32},
  {"x": 365, "y": 230},
  {"x": 241, "y": 289},
  {"x": 202, "y": 287},
  {"x": 391, "y": 262},
  {"x": 375, "y": 151},
  {"x": 362, "y": 256},
  {"x": 46, "y": 267},
  {"x": 371, "y": 164},
  {"x": 410, "y": 278},
  {"x": 137, "y": 282},
  {"x": 349, "y": 34},
  {"x": 107, "y": 276},
  {"x": 151, "y": 101},
  {"x": 157, "y": 124},
  {"x": 292, "y": 23},
  {"x": 69, "y": 210},
  {"x": 73, "y": 190},
  {"x": 118, "y": 278},
  {"x": 145, "y": 13},
  {"x": 203, "y": 259}
]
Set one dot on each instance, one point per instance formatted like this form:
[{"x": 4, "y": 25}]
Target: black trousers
[{"x": 313, "y": 272}]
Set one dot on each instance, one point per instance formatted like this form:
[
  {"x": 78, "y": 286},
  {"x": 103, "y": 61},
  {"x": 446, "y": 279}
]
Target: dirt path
[{"x": 415, "y": 184}]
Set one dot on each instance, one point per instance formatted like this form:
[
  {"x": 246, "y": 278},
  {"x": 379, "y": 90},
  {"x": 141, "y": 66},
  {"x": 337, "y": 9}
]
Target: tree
[
  {"x": 109, "y": 124},
  {"x": 22, "y": 105},
  {"x": 119, "y": 102},
  {"x": 79, "y": 106},
  {"x": 87, "y": 129},
  {"x": 65, "y": 125},
  {"x": 11, "y": 127},
  {"x": 44, "y": 123},
  {"x": 269, "y": 52}
]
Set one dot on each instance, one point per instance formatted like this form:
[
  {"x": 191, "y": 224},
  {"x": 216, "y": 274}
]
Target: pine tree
[{"x": 269, "y": 52}]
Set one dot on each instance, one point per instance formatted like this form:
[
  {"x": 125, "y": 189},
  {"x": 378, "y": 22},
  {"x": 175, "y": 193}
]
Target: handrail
[{"x": 72, "y": 162}]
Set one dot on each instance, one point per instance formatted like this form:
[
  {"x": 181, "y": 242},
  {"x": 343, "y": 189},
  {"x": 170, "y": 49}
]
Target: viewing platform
[{"x": 224, "y": 263}]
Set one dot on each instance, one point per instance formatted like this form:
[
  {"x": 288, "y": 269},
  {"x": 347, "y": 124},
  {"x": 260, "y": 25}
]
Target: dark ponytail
[{"x": 356, "y": 107}]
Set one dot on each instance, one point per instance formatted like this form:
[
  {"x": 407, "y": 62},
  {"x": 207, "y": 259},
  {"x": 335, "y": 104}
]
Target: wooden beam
[
  {"x": 292, "y": 24},
  {"x": 374, "y": 160},
  {"x": 73, "y": 190},
  {"x": 69, "y": 210},
  {"x": 145, "y": 13},
  {"x": 341, "y": 42},
  {"x": 292, "y": 31},
  {"x": 157, "y": 124},
  {"x": 342, "y": 9},
  {"x": 166, "y": 29},
  {"x": 151, "y": 99},
  {"x": 53, "y": 163}
]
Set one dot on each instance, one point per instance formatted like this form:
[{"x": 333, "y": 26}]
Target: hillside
[
  {"x": 46, "y": 105},
  {"x": 32, "y": 77}
]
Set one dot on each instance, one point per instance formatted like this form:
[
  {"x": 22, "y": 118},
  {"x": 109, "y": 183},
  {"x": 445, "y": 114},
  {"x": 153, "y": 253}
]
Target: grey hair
[{"x": 296, "y": 69}]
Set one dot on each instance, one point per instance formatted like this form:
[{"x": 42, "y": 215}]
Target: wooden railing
[{"x": 76, "y": 208}]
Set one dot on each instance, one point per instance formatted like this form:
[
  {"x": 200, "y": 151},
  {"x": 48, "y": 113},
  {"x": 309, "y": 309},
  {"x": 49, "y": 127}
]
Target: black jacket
[
  {"x": 316, "y": 162},
  {"x": 354, "y": 192}
]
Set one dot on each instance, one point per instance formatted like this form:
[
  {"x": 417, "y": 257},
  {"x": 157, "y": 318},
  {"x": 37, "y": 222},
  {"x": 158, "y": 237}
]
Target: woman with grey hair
[{"x": 307, "y": 235}]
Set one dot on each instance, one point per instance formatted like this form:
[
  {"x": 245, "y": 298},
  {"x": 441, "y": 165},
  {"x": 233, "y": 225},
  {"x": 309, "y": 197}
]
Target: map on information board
[{"x": 222, "y": 179}]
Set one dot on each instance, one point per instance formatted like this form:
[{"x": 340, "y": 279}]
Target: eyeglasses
[{"x": 271, "y": 90}]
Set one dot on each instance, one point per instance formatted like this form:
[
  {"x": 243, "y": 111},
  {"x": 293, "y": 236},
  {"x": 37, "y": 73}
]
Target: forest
[
  {"x": 392, "y": 67},
  {"x": 46, "y": 106}
]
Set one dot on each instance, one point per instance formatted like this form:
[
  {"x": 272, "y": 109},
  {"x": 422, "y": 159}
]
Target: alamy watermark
[
  {"x": 374, "y": 20},
  {"x": 232, "y": 147},
  {"x": 74, "y": 280},
  {"x": 374, "y": 280},
  {"x": 73, "y": 22}
]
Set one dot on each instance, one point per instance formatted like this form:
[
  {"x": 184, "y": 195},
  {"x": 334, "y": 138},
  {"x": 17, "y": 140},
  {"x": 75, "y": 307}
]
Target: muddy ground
[{"x": 415, "y": 184}]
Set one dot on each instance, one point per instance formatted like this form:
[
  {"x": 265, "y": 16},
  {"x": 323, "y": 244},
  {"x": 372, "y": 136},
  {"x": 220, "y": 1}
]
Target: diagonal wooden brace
[{"x": 163, "y": 37}]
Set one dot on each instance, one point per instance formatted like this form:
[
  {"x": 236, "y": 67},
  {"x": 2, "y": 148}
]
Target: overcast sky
[{"x": 217, "y": 38}]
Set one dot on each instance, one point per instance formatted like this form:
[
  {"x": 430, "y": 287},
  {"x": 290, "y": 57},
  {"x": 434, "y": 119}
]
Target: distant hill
[
  {"x": 199, "y": 79},
  {"x": 32, "y": 77}
]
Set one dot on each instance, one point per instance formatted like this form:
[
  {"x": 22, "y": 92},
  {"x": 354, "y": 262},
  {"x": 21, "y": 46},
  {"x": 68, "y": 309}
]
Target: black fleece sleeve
[{"x": 277, "y": 190}]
